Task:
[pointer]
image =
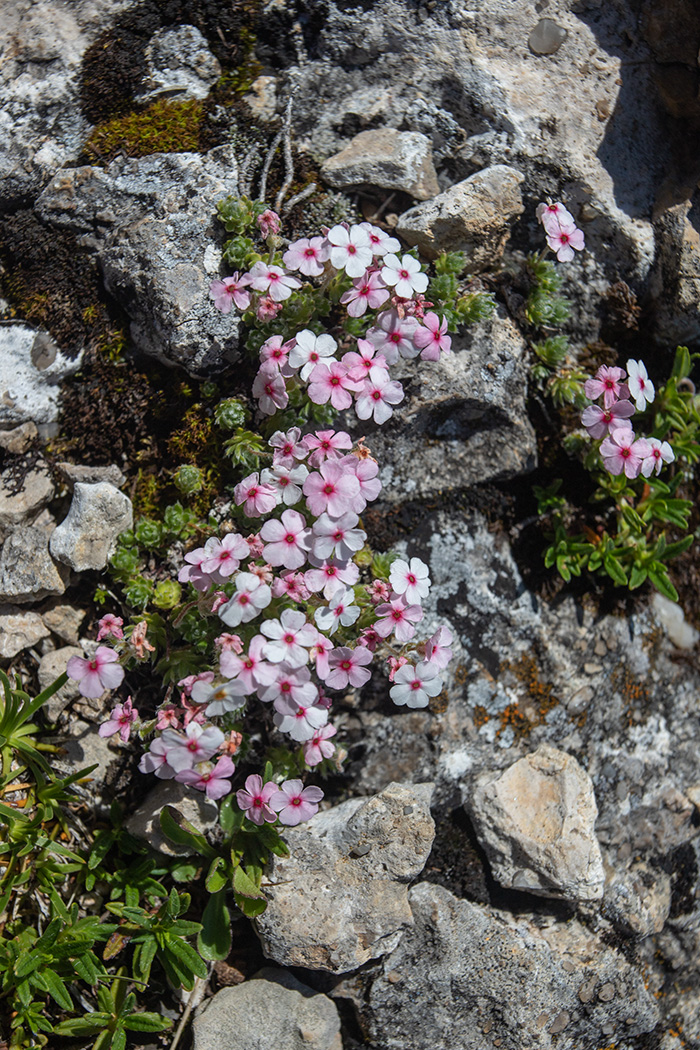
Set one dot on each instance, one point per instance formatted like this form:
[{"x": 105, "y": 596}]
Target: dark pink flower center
[
  {"x": 415, "y": 684},
  {"x": 290, "y": 538}
]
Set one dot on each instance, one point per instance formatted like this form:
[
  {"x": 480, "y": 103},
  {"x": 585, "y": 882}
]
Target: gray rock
[
  {"x": 74, "y": 472},
  {"x": 64, "y": 621},
  {"x": 51, "y": 665},
  {"x": 334, "y": 904},
  {"x": 638, "y": 899},
  {"x": 270, "y": 1012},
  {"x": 151, "y": 222},
  {"x": 261, "y": 99},
  {"x": 547, "y": 37},
  {"x": 536, "y": 823},
  {"x": 86, "y": 538},
  {"x": 464, "y": 418},
  {"x": 472, "y": 965},
  {"x": 195, "y": 807},
  {"x": 675, "y": 282},
  {"x": 30, "y": 380},
  {"x": 179, "y": 64},
  {"x": 473, "y": 216},
  {"x": 390, "y": 159},
  {"x": 19, "y": 630},
  {"x": 81, "y": 747},
  {"x": 19, "y": 439},
  {"x": 27, "y": 571},
  {"x": 17, "y": 506}
]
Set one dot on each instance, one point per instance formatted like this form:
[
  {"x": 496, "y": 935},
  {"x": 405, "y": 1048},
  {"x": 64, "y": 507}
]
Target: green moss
[{"x": 162, "y": 127}]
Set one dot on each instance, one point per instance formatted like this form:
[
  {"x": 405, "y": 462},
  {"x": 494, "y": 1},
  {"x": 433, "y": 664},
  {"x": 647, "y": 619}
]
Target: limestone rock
[
  {"x": 74, "y": 472},
  {"x": 31, "y": 370},
  {"x": 340, "y": 898},
  {"x": 64, "y": 621},
  {"x": 493, "y": 980},
  {"x": 86, "y": 538},
  {"x": 464, "y": 419},
  {"x": 670, "y": 616},
  {"x": 196, "y": 808},
  {"x": 638, "y": 899},
  {"x": 269, "y": 1012},
  {"x": 19, "y": 439},
  {"x": 27, "y": 571},
  {"x": 19, "y": 630},
  {"x": 473, "y": 216},
  {"x": 19, "y": 505},
  {"x": 179, "y": 64},
  {"x": 390, "y": 159},
  {"x": 675, "y": 282},
  {"x": 536, "y": 823},
  {"x": 151, "y": 222},
  {"x": 51, "y": 665}
]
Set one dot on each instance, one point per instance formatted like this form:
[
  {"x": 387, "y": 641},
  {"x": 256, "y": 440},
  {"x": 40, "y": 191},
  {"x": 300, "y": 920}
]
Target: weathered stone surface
[
  {"x": 464, "y": 418},
  {"x": 675, "y": 282},
  {"x": 151, "y": 222},
  {"x": 18, "y": 506},
  {"x": 340, "y": 898},
  {"x": 144, "y": 823},
  {"x": 86, "y": 538},
  {"x": 27, "y": 571},
  {"x": 536, "y": 823},
  {"x": 488, "y": 976},
  {"x": 74, "y": 472},
  {"x": 64, "y": 621},
  {"x": 390, "y": 159},
  {"x": 670, "y": 616},
  {"x": 270, "y": 1012},
  {"x": 51, "y": 665},
  {"x": 31, "y": 370},
  {"x": 638, "y": 899},
  {"x": 179, "y": 65},
  {"x": 19, "y": 630},
  {"x": 19, "y": 439},
  {"x": 81, "y": 747},
  {"x": 473, "y": 216}
]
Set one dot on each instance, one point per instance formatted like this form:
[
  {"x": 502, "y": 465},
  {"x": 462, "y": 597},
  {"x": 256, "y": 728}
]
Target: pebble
[
  {"x": 547, "y": 37},
  {"x": 606, "y": 994},
  {"x": 561, "y": 1021},
  {"x": 592, "y": 668}
]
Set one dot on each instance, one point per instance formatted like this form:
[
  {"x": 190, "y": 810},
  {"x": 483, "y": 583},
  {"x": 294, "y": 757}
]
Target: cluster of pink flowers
[
  {"x": 621, "y": 450},
  {"x": 382, "y": 280},
  {"x": 562, "y": 233}
]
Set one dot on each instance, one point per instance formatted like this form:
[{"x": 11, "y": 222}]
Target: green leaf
[
  {"x": 144, "y": 954},
  {"x": 146, "y": 1022},
  {"x": 57, "y": 989},
  {"x": 250, "y": 908},
  {"x": 615, "y": 570},
  {"x": 186, "y": 954},
  {"x": 118, "y": 1040},
  {"x": 244, "y": 885},
  {"x": 214, "y": 940},
  {"x": 638, "y": 576},
  {"x": 659, "y": 578},
  {"x": 179, "y": 830},
  {"x": 217, "y": 877},
  {"x": 90, "y": 1025}
]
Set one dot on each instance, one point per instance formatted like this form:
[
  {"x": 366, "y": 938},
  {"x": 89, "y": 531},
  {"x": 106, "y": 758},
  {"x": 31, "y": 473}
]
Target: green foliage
[
  {"x": 188, "y": 479},
  {"x": 544, "y": 307},
  {"x": 245, "y": 449},
  {"x": 163, "y": 127},
  {"x": 230, "y": 414}
]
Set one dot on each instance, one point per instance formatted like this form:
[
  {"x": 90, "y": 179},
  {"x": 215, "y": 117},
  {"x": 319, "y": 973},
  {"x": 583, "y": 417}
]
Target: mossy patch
[{"x": 162, "y": 127}]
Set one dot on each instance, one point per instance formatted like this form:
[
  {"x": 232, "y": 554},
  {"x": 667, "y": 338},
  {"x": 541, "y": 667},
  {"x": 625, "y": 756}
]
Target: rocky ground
[{"x": 518, "y": 865}]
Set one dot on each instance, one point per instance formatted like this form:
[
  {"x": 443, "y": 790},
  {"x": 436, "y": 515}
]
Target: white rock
[
  {"x": 51, "y": 665},
  {"x": 28, "y": 390},
  {"x": 195, "y": 807},
  {"x": 670, "y": 616},
  {"x": 390, "y": 159},
  {"x": 18, "y": 506},
  {"x": 179, "y": 64},
  {"x": 86, "y": 538},
  {"x": 19, "y": 630}
]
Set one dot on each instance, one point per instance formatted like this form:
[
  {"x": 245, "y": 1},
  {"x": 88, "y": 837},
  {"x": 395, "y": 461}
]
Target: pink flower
[
  {"x": 295, "y": 803},
  {"x": 379, "y": 392},
  {"x": 300, "y": 721},
  {"x": 660, "y": 453},
  {"x": 255, "y": 546},
  {"x": 193, "y": 572},
  {"x": 564, "y": 241},
  {"x": 286, "y": 480},
  {"x": 138, "y": 640},
  {"x": 368, "y": 290},
  {"x": 251, "y": 597},
  {"x": 350, "y": 249},
  {"x": 186, "y": 684},
  {"x": 291, "y": 683},
  {"x": 255, "y": 497},
  {"x": 273, "y": 280},
  {"x": 212, "y": 780},
  {"x": 290, "y": 637},
  {"x": 269, "y": 223},
  {"x": 394, "y": 336},
  {"x": 267, "y": 309},
  {"x": 366, "y": 471},
  {"x": 600, "y": 421},
  {"x": 432, "y": 338},
  {"x": 277, "y": 352},
  {"x": 229, "y": 290},
  {"x": 120, "y": 721},
  {"x": 397, "y": 617},
  {"x": 411, "y": 580},
  {"x": 167, "y": 716},
  {"x": 394, "y": 663},
  {"x": 197, "y": 745},
  {"x": 332, "y": 489},
  {"x": 380, "y": 242},
  {"x": 332, "y": 384},
  {"x": 287, "y": 541},
  {"x": 621, "y": 452},
  {"x": 320, "y": 651},
  {"x": 330, "y": 576},
  {"x": 229, "y": 643},
  {"x": 252, "y": 671},
  {"x": 415, "y": 685},
  {"x": 97, "y": 674},
  {"x": 437, "y": 648},
  {"x": 404, "y": 275},
  {"x": 337, "y": 538},
  {"x": 319, "y": 746},
  {"x": 640, "y": 385},
  {"x": 326, "y": 444},
  {"x": 291, "y": 584},
  {"x": 348, "y": 667},
  {"x": 307, "y": 256},
  {"x": 270, "y": 389},
  {"x": 155, "y": 760},
  {"x": 308, "y": 351},
  {"x": 554, "y": 215},
  {"x": 339, "y": 611},
  {"x": 610, "y": 383},
  {"x": 254, "y": 801},
  {"x": 110, "y": 626},
  {"x": 287, "y": 448},
  {"x": 359, "y": 364},
  {"x": 379, "y": 592},
  {"x": 224, "y": 556}
]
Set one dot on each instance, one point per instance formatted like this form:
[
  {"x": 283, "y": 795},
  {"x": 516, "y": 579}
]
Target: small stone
[
  {"x": 606, "y": 994},
  {"x": 20, "y": 439},
  {"x": 602, "y": 109},
  {"x": 88, "y": 535},
  {"x": 593, "y": 668},
  {"x": 28, "y": 393},
  {"x": 587, "y": 990},
  {"x": 261, "y": 99},
  {"x": 600, "y": 648},
  {"x": 390, "y": 159},
  {"x": 671, "y": 617},
  {"x": 74, "y": 472},
  {"x": 51, "y": 665},
  {"x": 179, "y": 64},
  {"x": 65, "y": 621},
  {"x": 27, "y": 571},
  {"x": 144, "y": 823},
  {"x": 547, "y": 37},
  {"x": 18, "y": 506},
  {"x": 19, "y": 630},
  {"x": 561, "y": 1021}
]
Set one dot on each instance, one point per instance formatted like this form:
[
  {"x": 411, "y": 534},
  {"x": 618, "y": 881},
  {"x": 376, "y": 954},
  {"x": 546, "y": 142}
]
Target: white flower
[
  {"x": 415, "y": 685},
  {"x": 309, "y": 350},
  {"x": 339, "y": 610},
  {"x": 640, "y": 385},
  {"x": 405, "y": 274},
  {"x": 252, "y": 595},
  {"x": 350, "y": 250},
  {"x": 412, "y": 580}
]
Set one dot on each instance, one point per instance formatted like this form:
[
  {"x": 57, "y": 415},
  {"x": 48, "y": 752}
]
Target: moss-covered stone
[{"x": 162, "y": 127}]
